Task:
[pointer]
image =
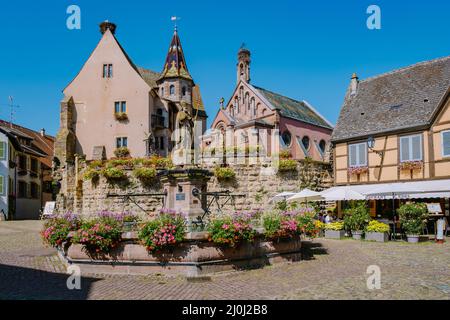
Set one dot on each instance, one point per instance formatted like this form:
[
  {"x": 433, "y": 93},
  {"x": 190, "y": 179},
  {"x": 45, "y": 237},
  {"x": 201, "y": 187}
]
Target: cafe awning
[{"x": 405, "y": 190}]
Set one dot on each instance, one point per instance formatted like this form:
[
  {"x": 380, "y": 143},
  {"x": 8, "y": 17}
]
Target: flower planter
[
  {"x": 411, "y": 238},
  {"x": 334, "y": 234},
  {"x": 357, "y": 235},
  {"x": 129, "y": 226},
  {"x": 377, "y": 236}
]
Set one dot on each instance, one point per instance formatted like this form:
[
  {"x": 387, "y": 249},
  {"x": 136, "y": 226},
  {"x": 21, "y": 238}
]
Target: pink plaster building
[
  {"x": 302, "y": 130},
  {"x": 113, "y": 103}
]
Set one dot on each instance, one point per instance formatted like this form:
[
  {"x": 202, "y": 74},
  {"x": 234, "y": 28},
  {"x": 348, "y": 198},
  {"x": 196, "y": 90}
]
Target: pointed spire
[{"x": 175, "y": 65}]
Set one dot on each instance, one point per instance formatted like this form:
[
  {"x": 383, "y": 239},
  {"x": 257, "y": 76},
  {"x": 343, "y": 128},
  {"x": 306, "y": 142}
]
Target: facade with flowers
[{"x": 395, "y": 127}]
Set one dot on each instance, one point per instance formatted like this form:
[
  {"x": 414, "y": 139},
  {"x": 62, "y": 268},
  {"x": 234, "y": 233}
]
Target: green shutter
[
  {"x": 2, "y": 185},
  {"x": 2, "y": 150}
]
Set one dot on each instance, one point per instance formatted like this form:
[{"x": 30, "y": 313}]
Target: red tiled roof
[{"x": 41, "y": 144}]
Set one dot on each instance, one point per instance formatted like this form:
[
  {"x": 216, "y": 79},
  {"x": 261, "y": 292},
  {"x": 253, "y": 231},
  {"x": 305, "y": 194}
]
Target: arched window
[
  {"x": 236, "y": 102},
  {"x": 232, "y": 110},
  {"x": 287, "y": 138},
  {"x": 242, "y": 69},
  {"x": 322, "y": 145},
  {"x": 241, "y": 93},
  {"x": 162, "y": 91},
  {"x": 264, "y": 112},
  {"x": 253, "y": 107},
  {"x": 247, "y": 101},
  {"x": 172, "y": 90},
  {"x": 305, "y": 142},
  {"x": 183, "y": 91}
]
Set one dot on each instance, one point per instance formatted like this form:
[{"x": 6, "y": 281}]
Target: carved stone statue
[{"x": 184, "y": 125}]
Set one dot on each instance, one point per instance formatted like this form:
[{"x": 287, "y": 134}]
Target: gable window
[
  {"x": 120, "y": 107},
  {"x": 121, "y": 142},
  {"x": 322, "y": 146},
  {"x": 172, "y": 90},
  {"x": 411, "y": 148},
  {"x": 305, "y": 142},
  {"x": 107, "y": 71},
  {"x": 446, "y": 143},
  {"x": 286, "y": 138},
  {"x": 236, "y": 102},
  {"x": 357, "y": 155},
  {"x": 2, "y": 150}
]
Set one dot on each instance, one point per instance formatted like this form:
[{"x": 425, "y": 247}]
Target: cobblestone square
[{"x": 330, "y": 269}]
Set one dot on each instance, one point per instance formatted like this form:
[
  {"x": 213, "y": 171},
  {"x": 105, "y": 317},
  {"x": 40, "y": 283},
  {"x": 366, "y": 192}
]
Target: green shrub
[
  {"x": 166, "y": 230},
  {"x": 413, "y": 217},
  {"x": 113, "y": 173},
  {"x": 91, "y": 174},
  {"x": 122, "y": 152},
  {"x": 285, "y": 154},
  {"x": 375, "y": 226},
  {"x": 120, "y": 163},
  {"x": 145, "y": 174},
  {"x": 96, "y": 164},
  {"x": 224, "y": 173},
  {"x": 287, "y": 165},
  {"x": 357, "y": 217}
]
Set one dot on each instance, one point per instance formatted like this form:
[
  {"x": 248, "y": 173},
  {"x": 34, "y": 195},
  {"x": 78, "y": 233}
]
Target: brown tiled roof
[
  {"x": 149, "y": 76},
  {"x": 399, "y": 100},
  {"x": 40, "y": 145}
]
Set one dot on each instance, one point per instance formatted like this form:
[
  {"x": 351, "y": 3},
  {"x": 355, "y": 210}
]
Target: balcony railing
[{"x": 158, "y": 122}]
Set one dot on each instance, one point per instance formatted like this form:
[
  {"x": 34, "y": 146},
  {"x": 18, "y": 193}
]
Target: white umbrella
[
  {"x": 340, "y": 194},
  {"x": 306, "y": 195},
  {"x": 281, "y": 196}
]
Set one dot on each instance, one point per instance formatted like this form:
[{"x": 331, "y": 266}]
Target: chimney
[
  {"x": 354, "y": 84},
  {"x": 43, "y": 132},
  {"x": 105, "y": 25}
]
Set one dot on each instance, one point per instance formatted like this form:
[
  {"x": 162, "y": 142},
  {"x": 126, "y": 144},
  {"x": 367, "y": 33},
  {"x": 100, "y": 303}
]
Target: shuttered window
[
  {"x": 2, "y": 150},
  {"x": 2, "y": 185},
  {"x": 446, "y": 143},
  {"x": 358, "y": 155},
  {"x": 411, "y": 148}
]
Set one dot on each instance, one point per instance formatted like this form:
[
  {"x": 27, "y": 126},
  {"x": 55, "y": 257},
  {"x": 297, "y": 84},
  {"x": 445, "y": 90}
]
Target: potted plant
[
  {"x": 334, "y": 230},
  {"x": 377, "y": 231},
  {"x": 413, "y": 217},
  {"x": 356, "y": 218}
]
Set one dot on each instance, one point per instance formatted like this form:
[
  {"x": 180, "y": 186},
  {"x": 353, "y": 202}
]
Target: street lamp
[{"x": 371, "y": 145}]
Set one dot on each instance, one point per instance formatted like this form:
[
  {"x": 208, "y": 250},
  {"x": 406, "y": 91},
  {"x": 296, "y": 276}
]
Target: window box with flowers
[
  {"x": 121, "y": 116},
  {"x": 411, "y": 165},
  {"x": 358, "y": 170}
]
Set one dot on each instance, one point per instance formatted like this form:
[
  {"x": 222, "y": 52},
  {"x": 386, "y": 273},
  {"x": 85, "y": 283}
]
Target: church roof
[
  {"x": 175, "y": 65},
  {"x": 399, "y": 100},
  {"x": 290, "y": 108}
]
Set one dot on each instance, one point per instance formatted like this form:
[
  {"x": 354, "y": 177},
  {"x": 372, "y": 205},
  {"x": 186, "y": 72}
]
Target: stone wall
[{"x": 252, "y": 188}]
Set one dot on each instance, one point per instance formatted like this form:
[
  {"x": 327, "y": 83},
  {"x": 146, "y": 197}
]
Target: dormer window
[
  {"x": 107, "y": 71},
  {"x": 172, "y": 90}
]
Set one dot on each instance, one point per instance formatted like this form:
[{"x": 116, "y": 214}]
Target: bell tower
[
  {"x": 176, "y": 83},
  {"x": 243, "y": 65}
]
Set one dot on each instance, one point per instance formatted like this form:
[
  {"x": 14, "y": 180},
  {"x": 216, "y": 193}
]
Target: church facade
[
  {"x": 113, "y": 103},
  {"x": 252, "y": 111}
]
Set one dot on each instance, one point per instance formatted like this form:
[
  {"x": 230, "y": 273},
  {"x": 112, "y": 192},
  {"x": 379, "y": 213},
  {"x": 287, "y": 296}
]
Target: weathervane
[{"x": 175, "y": 19}]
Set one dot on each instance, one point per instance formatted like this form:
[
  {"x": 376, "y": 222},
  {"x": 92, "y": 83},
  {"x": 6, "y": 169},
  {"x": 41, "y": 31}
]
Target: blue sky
[{"x": 303, "y": 49}]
